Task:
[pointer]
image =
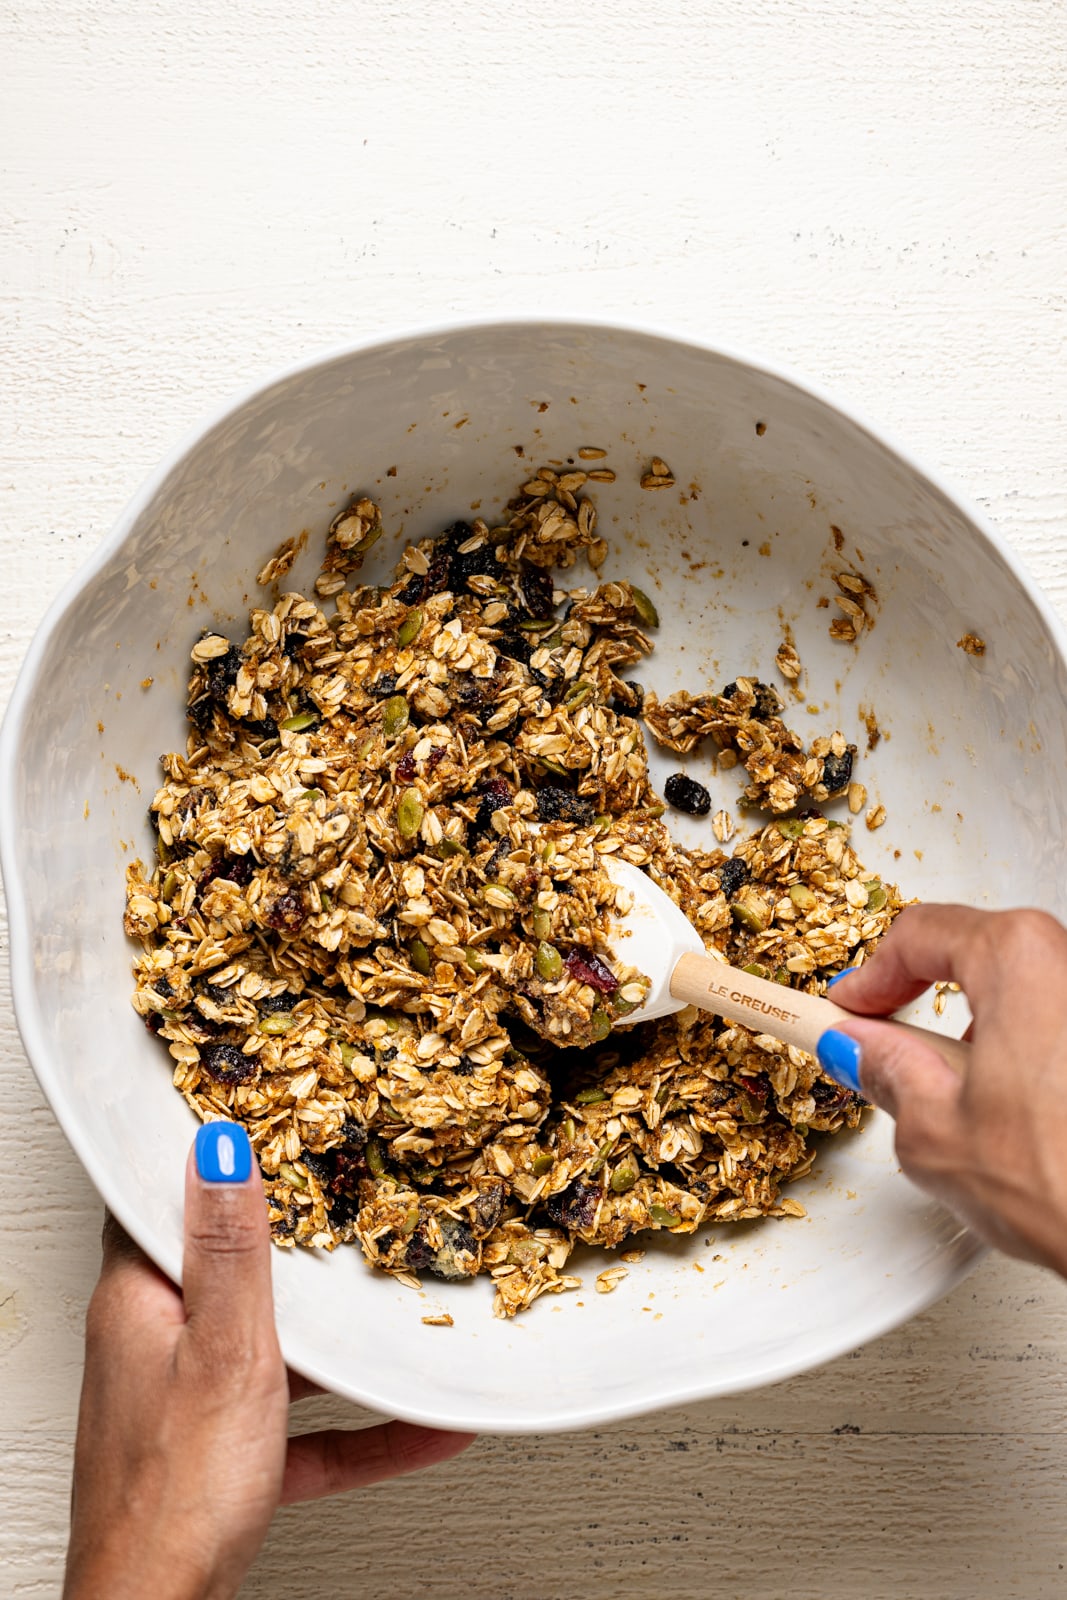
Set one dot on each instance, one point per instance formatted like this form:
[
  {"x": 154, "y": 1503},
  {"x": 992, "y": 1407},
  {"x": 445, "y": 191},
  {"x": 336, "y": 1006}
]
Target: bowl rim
[{"x": 27, "y": 1011}]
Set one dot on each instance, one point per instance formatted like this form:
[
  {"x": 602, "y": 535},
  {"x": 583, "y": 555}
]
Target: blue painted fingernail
[
  {"x": 840, "y": 1057},
  {"x": 838, "y": 976},
  {"x": 223, "y": 1152}
]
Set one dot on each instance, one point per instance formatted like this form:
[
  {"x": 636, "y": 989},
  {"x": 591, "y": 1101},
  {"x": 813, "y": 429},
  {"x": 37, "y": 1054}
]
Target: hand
[
  {"x": 991, "y": 1145},
  {"x": 181, "y": 1455}
]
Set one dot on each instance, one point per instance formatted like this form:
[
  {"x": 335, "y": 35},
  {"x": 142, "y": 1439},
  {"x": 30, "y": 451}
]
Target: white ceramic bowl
[{"x": 970, "y": 769}]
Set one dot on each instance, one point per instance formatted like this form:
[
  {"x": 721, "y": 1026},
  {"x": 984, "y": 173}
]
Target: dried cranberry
[
  {"x": 226, "y": 1064},
  {"x": 238, "y": 869},
  {"x": 405, "y": 768},
  {"x": 537, "y": 590},
  {"x": 574, "y": 1208},
  {"x": 685, "y": 794},
  {"x": 586, "y": 967},
  {"x": 732, "y": 874},
  {"x": 563, "y": 805},
  {"x": 287, "y": 913},
  {"x": 759, "y": 1087}
]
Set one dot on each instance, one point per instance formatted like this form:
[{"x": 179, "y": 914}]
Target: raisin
[
  {"x": 633, "y": 704},
  {"x": 837, "y": 771},
  {"x": 413, "y": 590},
  {"x": 439, "y": 576},
  {"x": 163, "y": 986},
  {"x": 488, "y": 1209},
  {"x": 405, "y": 768},
  {"x": 480, "y": 563},
  {"x": 344, "y": 1208},
  {"x": 222, "y": 673},
  {"x": 494, "y": 794},
  {"x": 287, "y": 913},
  {"x": 685, "y": 794},
  {"x": 353, "y": 1133},
  {"x": 516, "y": 647},
  {"x": 455, "y": 534},
  {"x": 732, "y": 874},
  {"x": 153, "y": 1022},
  {"x": 586, "y": 967},
  {"x": 574, "y": 1207},
  {"x": 293, "y": 644},
  {"x": 435, "y": 757},
  {"x": 226, "y": 1064},
  {"x": 271, "y": 1003},
  {"x": 266, "y": 728},
  {"x": 563, "y": 805},
  {"x": 468, "y": 694},
  {"x": 213, "y": 992},
  {"x": 829, "y": 1096},
  {"x": 201, "y": 712},
  {"x": 537, "y": 590}
]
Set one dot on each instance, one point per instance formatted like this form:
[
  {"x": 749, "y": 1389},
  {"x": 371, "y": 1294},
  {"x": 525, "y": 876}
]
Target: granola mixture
[{"x": 375, "y": 932}]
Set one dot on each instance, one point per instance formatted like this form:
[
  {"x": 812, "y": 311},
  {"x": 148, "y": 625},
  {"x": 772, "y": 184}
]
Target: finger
[
  {"x": 926, "y": 944},
  {"x": 336, "y": 1460},
  {"x": 226, "y": 1274},
  {"x": 132, "y": 1291},
  {"x": 898, "y": 1072}
]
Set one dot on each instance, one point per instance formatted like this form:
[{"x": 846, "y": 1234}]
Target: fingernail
[
  {"x": 840, "y": 1057},
  {"x": 223, "y": 1152},
  {"x": 838, "y": 976}
]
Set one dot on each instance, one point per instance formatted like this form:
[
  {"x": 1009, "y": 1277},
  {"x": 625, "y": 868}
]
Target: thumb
[{"x": 226, "y": 1274}]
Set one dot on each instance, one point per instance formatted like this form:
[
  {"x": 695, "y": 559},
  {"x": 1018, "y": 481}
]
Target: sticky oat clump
[{"x": 375, "y": 932}]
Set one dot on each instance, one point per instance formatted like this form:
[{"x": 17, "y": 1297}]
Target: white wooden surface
[{"x": 197, "y": 193}]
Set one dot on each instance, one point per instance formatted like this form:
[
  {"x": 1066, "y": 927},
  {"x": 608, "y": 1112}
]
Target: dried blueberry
[
  {"x": 465, "y": 1067},
  {"x": 459, "y": 1255},
  {"x": 226, "y": 1064},
  {"x": 563, "y": 805},
  {"x": 293, "y": 644},
  {"x": 537, "y": 590},
  {"x": 732, "y": 874},
  {"x": 384, "y": 687},
  {"x": 837, "y": 771},
  {"x": 353, "y": 1133},
  {"x": 574, "y": 1207},
  {"x": 214, "y": 992},
  {"x": 319, "y": 1162},
  {"x": 685, "y": 794},
  {"x": 480, "y": 563},
  {"x": 344, "y": 1208}
]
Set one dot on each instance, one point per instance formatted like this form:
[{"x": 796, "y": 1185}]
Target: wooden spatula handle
[{"x": 787, "y": 1014}]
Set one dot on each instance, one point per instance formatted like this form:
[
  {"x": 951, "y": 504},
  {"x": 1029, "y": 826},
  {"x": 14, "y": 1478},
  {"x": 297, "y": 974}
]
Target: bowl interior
[{"x": 968, "y": 766}]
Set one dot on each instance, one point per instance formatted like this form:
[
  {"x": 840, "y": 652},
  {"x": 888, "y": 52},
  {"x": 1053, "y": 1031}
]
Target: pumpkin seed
[
  {"x": 623, "y": 1178},
  {"x": 665, "y": 1218},
  {"x": 790, "y": 827},
  {"x": 420, "y": 957},
  {"x": 548, "y": 961},
  {"x": 375, "y": 1159},
  {"x": 577, "y": 695},
  {"x": 409, "y": 629},
  {"x": 396, "y": 714},
  {"x": 450, "y": 847},
  {"x": 542, "y": 924},
  {"x": 876, "y": 895},
  {"x": 601, "y": 1156},
  {"x": 302, "y": 720},
  {"x": 294, "y": 1179},
  {"x": 473, "y": 959},
  {"x": 590, "y": 1097},
  {"x": 279, "y": 1022},
  {"x": 348, "y": 1053},
  {"x": 756, "y": 970},
  {"x": 542, "y": 1164},
  {"x": 411, "y": 1222},
  {"x": 600, "y": 1024},
  {"x": 409, "y": 813},
  {"x": 802, "y": 897},
  {"x": 644, "y": 607}
]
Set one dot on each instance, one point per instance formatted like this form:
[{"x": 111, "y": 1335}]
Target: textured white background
[{"x": 195, "y": 193}]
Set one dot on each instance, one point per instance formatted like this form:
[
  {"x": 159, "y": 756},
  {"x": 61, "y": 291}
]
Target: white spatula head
[{"x": 652, "y": 937}]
